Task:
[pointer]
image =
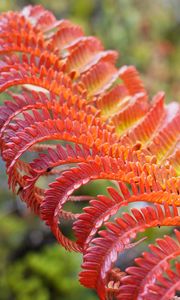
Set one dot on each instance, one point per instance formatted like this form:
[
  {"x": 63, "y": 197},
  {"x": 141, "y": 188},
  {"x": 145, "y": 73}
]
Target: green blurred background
[{"x": 146, "y": 33}]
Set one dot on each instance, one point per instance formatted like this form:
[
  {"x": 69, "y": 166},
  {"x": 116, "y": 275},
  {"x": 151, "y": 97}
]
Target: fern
[{"x": 62, "y": 86}]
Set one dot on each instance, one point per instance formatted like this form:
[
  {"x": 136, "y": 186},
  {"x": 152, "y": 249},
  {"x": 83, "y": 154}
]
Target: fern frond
[
  {"x": 167, "y": 286},
  {"x": 84, "y": 119},
  {"x": 140, "y": 280},
  {"x": 99, "y": 258},
  {"x": 103, "y": 208}
]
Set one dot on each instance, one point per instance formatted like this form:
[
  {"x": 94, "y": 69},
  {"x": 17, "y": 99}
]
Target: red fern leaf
[
  {"x": 140, "y": 280},
  {"x": 72, "y": 92},
  {"x": 116, "y": 239}
]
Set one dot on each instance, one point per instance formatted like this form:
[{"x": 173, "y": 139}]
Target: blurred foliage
[
  {"x": 146, "y": 33},
  {"x": 48, "y": 274}
]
